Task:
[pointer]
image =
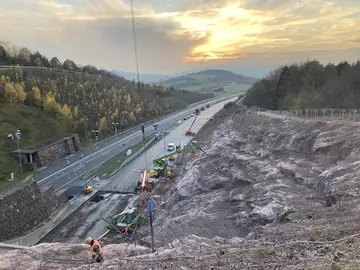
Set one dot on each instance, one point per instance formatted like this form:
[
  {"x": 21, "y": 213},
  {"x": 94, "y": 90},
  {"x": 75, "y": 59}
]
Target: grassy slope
[{"x": 37, "y": 128}]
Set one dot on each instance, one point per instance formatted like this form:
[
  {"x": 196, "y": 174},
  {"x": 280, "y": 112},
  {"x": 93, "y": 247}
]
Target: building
[{"x": 49, "y": 153}]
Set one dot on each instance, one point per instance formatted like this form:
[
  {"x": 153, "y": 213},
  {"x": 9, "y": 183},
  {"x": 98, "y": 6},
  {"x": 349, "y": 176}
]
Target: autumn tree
[
  {"x": 98, "y": 95},
  {"x": 34, "y": 96},
  {"x": 65, "y": 111},
  {"x": 50, "y": 104}
]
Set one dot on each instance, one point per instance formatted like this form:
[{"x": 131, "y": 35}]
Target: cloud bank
[{"x": 176, "y": 35}]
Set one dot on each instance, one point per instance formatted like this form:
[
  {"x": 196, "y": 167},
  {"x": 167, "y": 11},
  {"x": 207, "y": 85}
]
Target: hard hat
[{"x": 89, "y": 239}]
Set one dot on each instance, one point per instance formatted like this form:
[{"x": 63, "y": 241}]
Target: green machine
[
  {"x": 130, "y": 218},
  {"x": 160, "y": 164}
]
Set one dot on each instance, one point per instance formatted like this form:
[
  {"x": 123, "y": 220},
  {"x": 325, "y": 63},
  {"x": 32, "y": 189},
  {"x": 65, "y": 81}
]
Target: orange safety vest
[{"x": 95, "y": 243}]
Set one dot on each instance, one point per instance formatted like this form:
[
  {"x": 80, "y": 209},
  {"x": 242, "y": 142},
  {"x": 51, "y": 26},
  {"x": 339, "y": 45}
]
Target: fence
[{"x": 352, "y": 115}]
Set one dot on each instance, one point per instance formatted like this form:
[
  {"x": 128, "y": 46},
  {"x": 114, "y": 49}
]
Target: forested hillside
[
  {"x": 207, "y": 80},
  {"x": 90, "y": 97},
  {"x": 46, "y": 99},
  {"x": 308, "y": 85}
]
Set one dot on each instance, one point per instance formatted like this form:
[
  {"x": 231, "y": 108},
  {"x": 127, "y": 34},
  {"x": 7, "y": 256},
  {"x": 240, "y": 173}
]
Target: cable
[
  {"x": 135, "y": 46},
  {"x": 136, "y": 61}
]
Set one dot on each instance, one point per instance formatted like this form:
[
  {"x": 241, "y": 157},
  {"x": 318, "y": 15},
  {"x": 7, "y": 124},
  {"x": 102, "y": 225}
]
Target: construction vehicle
[
  {"x": 144, "y": 184},
  {"x": 197, "y": 111},
  {"x": 170, "y": 174},
  {"x": 160, "y": 164},
  {"x": 88, "y": 189},
  {"x": 188, "y": 131},
  {"x": 127, "y": 221}
]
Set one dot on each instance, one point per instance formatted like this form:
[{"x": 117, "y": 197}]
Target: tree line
[
  {"x": 88, "y": 98},
  {"x": 308, "y": 85}
]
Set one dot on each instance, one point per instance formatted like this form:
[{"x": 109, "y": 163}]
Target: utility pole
[
  {"x": 164, "y": 145},
  {"x": 151, "y": 225},
  {"x": 143, "y": 133},
  {"x": 17, "y": 135},
  {"x": 96, "y": 132},
  {"x": 115, "y": 126}
]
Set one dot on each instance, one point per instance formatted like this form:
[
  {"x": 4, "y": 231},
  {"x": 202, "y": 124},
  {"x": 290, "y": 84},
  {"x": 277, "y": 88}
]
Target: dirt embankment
[
  {"x": 270, "y": 180},
  {"x": 269, "y": 194}
]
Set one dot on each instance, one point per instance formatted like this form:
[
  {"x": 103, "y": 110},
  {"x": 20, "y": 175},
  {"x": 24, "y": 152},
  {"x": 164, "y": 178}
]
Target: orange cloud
[{"x": 217, "y": 29}]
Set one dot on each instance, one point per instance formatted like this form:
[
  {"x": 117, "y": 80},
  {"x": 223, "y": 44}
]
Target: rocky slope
[{"x": 269, "y": 194}]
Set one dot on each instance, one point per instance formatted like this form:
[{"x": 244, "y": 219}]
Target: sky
[{"x": 250, "y": 36}]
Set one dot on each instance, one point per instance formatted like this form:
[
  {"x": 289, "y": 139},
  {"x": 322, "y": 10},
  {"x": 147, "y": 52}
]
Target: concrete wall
[
  {"x": 26, "y": 208},
  {"x": 48, "y": 155},
  {"x": 57, "y": 150}
]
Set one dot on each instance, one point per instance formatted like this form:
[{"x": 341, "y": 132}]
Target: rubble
[{"x": 269, "y": 194}]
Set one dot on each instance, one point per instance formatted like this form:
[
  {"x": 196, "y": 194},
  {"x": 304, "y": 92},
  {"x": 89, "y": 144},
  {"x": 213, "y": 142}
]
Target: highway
[
  {"x": 60, "y": 175},
  {"x": 86, "y": 220},
  {"x": 127, "y": 179}
]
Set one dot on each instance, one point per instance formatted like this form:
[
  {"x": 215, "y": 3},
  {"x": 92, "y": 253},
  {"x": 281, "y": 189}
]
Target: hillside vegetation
[
  {"x": 37, "y": 128},
  {"x": 208, "y": 80},
  {"x": 73, "y": 99},
  {"x": 308, "y": 85}
]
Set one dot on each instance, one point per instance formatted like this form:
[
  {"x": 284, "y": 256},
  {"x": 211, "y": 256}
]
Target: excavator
[{"x": 189, "y": 132}]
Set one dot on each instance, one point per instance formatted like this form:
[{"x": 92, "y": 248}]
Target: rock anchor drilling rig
[{"x": 188, "y": 131}]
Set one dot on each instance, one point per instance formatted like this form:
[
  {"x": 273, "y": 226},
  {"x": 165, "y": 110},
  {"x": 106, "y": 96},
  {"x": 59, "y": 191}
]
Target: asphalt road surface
[
  {"x": 126, "y": 179},
  {"x": 60, "y": 175},
  {"x": 87, "y": 221}
]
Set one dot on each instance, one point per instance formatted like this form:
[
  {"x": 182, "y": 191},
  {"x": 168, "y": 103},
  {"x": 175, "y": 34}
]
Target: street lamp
[
  {"x": 115, "y": 126},
  {"x": 17, "y": 137},
  {"x": 96, "y": 133}
]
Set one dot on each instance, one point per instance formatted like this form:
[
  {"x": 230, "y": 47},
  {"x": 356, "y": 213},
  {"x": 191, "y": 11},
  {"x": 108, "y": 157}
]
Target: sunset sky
[{"x": 178, "y": 35}]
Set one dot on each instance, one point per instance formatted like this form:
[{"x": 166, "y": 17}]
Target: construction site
[{"x": 247, "y": 191}]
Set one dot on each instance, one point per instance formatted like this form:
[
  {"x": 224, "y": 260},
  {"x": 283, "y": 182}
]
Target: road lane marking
[{"x": 164, "y": 122}]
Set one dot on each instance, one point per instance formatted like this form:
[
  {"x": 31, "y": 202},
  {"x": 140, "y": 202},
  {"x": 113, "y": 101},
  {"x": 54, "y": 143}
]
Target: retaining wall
[{"x": 26, "y": 208}]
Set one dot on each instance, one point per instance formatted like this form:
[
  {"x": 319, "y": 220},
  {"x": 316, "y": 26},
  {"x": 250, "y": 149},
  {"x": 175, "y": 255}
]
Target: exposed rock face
[
  {"x": 270, "y": 194},
  {"x": 260, "y": 173}
]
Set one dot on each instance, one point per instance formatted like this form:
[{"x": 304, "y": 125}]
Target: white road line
[
  {"x": 85, "y": 158},
  {"x": 105, "y": 153},
  {"x": 78, "y": 168},
  {"x": 111, "y": 145}
]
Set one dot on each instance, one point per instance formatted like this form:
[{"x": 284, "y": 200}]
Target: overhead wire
[
  {"x": 137, "y": 64},
  {"x": 135, "y": 45}
]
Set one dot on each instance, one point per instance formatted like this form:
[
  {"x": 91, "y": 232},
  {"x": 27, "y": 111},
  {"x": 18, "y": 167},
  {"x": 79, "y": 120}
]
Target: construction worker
[{"x": 96, "y": 250}]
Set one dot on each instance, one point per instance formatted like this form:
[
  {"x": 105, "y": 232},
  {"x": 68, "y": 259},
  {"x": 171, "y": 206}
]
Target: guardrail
[
  {"x": 134, "y": 155},
  {"x": 352, "y": 115},
  {"x": 153, "y": 121}
]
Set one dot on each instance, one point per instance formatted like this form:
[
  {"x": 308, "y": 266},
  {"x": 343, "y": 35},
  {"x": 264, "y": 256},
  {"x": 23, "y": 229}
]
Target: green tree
[
  {"x": 82, "y": 128},
  {"x": 65, "y": 111},
  {"x": 103, "y": 126}
]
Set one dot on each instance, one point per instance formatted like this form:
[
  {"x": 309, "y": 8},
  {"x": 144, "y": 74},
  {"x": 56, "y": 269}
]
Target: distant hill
[
  {"x": 147, "y": 78},
  {"x": 211, "y": 79},
  {"x": 67, "y": 98}
]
